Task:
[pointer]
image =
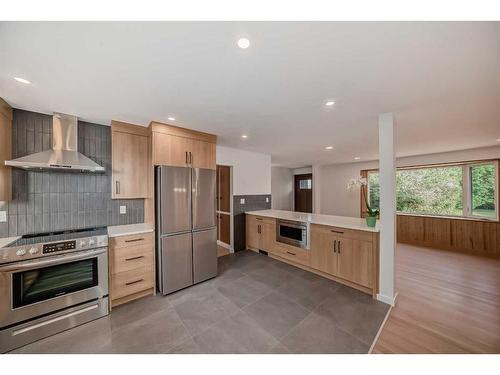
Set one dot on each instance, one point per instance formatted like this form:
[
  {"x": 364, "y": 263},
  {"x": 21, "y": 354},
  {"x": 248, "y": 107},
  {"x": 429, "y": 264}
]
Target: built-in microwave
[{"x": 293, "y": 233}]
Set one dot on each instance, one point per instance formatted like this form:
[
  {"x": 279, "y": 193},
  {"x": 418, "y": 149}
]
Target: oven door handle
[{"x": 31, "y": 264}]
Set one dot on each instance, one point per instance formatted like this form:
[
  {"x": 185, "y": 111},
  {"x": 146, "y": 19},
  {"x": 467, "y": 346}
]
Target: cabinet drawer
[
  {"x": 132, "y": 240},
  {"x": 128, "y": 258},
  {"x": 343, "y": 232},
  {"x": 292, "y": 253},
  {"x": 133, "y": 281}
]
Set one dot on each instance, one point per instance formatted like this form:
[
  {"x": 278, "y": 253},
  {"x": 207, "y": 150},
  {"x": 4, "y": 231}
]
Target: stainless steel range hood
[{"x": 64, "y": 154}]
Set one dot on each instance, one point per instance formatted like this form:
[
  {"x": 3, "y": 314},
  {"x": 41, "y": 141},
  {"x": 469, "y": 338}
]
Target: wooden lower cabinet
[
  {"x": 260, "y": 233},
  {"x": 346, "y": 254},
  {"x": 131, "y": 268}
]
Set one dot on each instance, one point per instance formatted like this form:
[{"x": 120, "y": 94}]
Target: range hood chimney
[{"x": 64, "y": 154}]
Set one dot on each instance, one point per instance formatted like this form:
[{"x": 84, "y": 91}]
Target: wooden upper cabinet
[
  {"x": 202, "y": 154},
  {"x": 170, "y": 150},
  {"x": 130, "y": 161},
  {"x": 5, "y": 151},
  {"x": 182, "y": 147}
]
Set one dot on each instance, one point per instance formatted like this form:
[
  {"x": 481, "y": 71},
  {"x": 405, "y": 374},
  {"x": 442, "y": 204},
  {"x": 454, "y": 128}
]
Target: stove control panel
[{"x": 58, "y": 246}]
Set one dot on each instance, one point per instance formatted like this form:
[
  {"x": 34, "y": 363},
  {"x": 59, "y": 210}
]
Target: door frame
[
  {"x": 229, "y": 246},
  {"x": 297, "y": 177}
]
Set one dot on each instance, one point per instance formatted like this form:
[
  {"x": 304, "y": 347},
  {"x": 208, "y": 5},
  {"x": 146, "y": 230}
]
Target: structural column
[
  {"x": 316, "y": 193},
  {"x": 387, "y": 181}
]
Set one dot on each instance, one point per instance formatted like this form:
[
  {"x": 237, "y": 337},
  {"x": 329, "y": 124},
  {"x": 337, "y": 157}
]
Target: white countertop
[
  {"x": 331, "y": 220},
  {"x": 7, "y": 240},
  {"x": 126, "y": 230}
]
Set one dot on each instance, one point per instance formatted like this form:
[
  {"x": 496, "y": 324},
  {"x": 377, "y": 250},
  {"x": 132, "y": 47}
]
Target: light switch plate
[
  {"x": 267, "y": 199},
  {"x": 242, "y": 201},
  {"x": 3, "y": 216},
  {"x": 123, "y": 210}
]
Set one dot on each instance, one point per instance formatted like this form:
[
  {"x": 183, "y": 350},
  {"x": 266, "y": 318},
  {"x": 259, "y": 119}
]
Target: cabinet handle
[
  {"x": 187, "y": 161},
  {"x": 134, "y": 282},
  {"x": 134, "y": 258},
  {"x": 290, "y": 253},
  {"x": 258, "y": 218},
  {"x": 117, "y": 187},
  {"x": 334, "y": 246},
  {"x": 135, "y": 240},
  {"x": 258, "y": 229},
  {"x": 190, "y": 158},
  {"x": 338, "y": 248},
  {"x": 336, "y": 231}
]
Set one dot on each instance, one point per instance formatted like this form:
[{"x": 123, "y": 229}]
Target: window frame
[{"x": 466, "y": 193}]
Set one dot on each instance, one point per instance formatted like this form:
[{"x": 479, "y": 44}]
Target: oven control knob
[
  {"x": 91, "y": 242},
  {"x": 83, "y": 244},
  {"x": 33, "y": 250},
  {"x": 20, "y": 252}
]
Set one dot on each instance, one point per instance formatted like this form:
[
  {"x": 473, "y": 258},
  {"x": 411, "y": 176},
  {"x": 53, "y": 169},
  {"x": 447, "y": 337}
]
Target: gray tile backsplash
[
  {"x": 48, "y": 201},
  {"x": 252, "y": 203}
]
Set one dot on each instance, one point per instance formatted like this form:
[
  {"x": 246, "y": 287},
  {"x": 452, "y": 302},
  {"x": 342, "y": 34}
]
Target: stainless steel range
[{"x": 50, "y": 282}]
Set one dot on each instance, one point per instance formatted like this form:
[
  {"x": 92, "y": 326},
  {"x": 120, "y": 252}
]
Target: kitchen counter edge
[
  {"x": 130, "y": 229},
  {"x": 346, "y": 222}
]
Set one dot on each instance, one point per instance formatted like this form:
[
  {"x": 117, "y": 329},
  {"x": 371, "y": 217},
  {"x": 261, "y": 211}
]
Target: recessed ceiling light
[
  {"x": 244, "y": 136},
  {"x": 243, "y": 43},
  {"x": 171, "y": 118},
  {"x": 22, "y": 80},
  {"x": 357, "y": 158},
  {"x": 498, "y": 140},
  {"x": 329, "y": 148},
  {"x": 329, "y": 103}
]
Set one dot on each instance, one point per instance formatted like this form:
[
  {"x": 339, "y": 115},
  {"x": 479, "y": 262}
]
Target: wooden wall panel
[{"x": 463, "y": 235}]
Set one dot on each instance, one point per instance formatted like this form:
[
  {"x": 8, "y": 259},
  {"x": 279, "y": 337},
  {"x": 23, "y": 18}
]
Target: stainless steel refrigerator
[{"x": 186, "y": 232}]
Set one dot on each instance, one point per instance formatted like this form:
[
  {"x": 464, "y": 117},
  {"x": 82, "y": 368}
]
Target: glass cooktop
[{"x": 66, "y": 235}]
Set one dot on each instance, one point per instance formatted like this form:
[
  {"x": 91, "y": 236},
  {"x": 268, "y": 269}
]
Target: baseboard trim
[
  {"x": 225, "y": 246},
  {"x": 381, "y": 328},
  {"x": 386, "y": 299}
]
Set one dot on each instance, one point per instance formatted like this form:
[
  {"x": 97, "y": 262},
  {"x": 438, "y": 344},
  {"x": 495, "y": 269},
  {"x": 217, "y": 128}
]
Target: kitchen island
[{"x": 340, "y": 248}]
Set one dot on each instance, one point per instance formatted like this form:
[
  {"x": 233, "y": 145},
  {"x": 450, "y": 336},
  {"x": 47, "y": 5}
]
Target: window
[
  {"x": 305, "y": 184},
  {"x": 466, "y": 190}
]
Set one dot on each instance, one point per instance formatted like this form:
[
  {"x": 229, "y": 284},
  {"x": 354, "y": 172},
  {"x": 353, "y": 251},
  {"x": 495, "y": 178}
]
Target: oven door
[
  {"x": 291, "y": 233},
  {"x": 32, "y": 288}
]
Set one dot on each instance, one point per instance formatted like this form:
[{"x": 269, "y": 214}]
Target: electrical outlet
[
  {"x": 123, "y": 210},
  {"x": 3, "y": 216},
  {"x": 242, "y": 201},
  {"x": 267, "y": 199}
]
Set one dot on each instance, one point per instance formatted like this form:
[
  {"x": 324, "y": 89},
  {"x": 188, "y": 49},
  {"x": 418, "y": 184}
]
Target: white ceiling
[{"x": 442, "y": 81}]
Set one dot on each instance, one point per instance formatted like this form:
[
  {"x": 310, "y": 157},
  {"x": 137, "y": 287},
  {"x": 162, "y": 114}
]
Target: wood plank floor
[{"x": 447, "y": 303}]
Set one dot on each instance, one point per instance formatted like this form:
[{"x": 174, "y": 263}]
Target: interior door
[
  {"x": 174, "y": 199},
  {"x": 303, "y": 192},
  {"x": 224, "y": 188},
  {"x": 177, "y": 262},
  {"x": 204, "y": 254},
  {"x": 224, "y": 228},
  {"x": 203, "y": 193}
]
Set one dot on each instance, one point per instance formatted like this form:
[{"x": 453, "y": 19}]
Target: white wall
[
  {"x": 282, "y": 188},
  {"x": 304, "y": 170},
  {"x": 251, "y": 170},
  {"x": 336, "y": 200}
]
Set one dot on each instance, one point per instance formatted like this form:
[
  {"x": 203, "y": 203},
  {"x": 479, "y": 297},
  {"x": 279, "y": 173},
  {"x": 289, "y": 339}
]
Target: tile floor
[{"x": 255, "y": 305}]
